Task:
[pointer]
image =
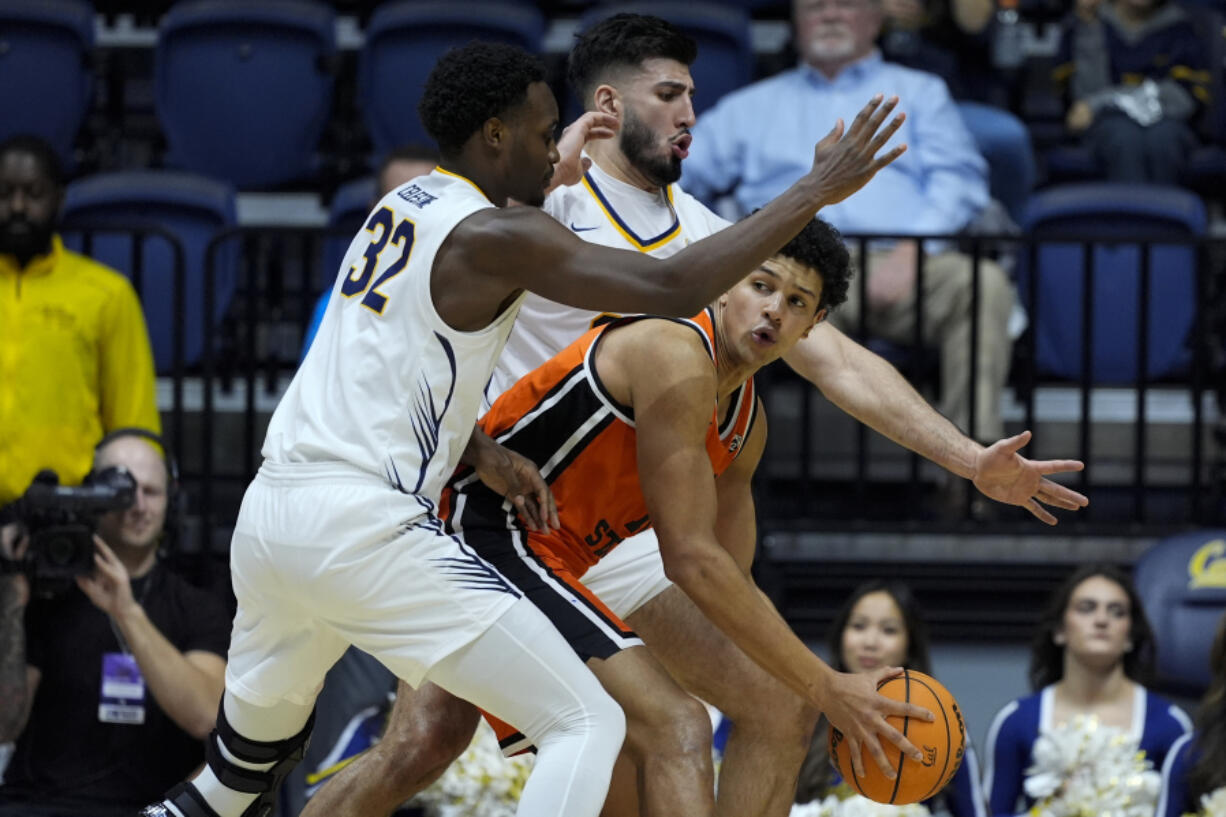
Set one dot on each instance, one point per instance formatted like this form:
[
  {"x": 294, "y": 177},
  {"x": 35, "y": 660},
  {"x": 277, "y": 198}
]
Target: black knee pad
[{"x": 283, "y": 754}]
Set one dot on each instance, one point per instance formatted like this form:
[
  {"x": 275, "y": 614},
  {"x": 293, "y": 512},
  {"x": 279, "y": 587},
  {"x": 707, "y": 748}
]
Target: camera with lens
[{"x": 60, "y": 520}]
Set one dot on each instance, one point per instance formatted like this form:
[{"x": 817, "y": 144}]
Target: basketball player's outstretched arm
[
  {"x": 671, "y": 386},
  {"x": 867, "y": 387},
  {"x": 494, "y": 253}
]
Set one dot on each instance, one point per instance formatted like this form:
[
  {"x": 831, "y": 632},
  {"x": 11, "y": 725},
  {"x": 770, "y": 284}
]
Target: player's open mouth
[
  {"x": 681, "y": 145},
  {"x": 764, "y": 336}
]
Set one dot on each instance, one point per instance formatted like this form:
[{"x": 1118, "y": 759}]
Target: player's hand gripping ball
[{"x": 941, "y": 741}]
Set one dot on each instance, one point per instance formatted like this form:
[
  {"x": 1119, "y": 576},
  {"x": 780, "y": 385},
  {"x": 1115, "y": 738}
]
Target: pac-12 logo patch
[{"x": 736, "y": 443}]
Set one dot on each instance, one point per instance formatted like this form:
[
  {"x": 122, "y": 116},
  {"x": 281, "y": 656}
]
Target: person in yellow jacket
[{"x": 75, "y": 360}]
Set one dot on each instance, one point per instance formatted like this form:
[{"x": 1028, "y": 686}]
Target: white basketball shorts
[{"x": 324, "y": 556}]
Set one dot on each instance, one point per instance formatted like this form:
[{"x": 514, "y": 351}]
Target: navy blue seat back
[
  {"x": 1182, "y": 583},
  {"x": 348, "y": 211},
  {"x": 1004, "y": 141},
  {"x": 725, "y": 54},
  {"x": 192, "y": 208},
  {"x": 244, "y": 87},
  {"x": 1127, "y": 213},
  {"x": 46, "y": 81},
  {"x": 403, "y": 42}
]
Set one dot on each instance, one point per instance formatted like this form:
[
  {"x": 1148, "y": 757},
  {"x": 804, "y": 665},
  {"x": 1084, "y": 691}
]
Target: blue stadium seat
[
  {"x": 1005, "y": 143},
  {"x": 193, "y": 209},
  {"x": 1182, "y": 583},
  {"x": 403, "y": 42},
  {"x": 1124, "y": 214},
  {"x": 346, "y": 214},
  {"x": 46, "y": 80},
  {"x": 243, "y": 87},
  {"x": 725, "y": 55}
]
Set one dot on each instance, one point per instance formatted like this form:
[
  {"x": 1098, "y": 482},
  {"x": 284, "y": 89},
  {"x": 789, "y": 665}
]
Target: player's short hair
[
  {"x": 42, "y": 152},
  {"x": 820, "y": 246},
  {"x": 624, "y": 41},
  {"x": 472, "y": 84}
]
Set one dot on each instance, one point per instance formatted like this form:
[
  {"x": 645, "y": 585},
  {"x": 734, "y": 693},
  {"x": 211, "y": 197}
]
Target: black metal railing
[
  {"x": 794, "y": 500},
  {"x": 251, "y": 350}
]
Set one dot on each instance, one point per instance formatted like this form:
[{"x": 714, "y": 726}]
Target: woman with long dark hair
[
  {"x": 1092, "y": 655},
  {"x": 1196, "y": 765},
  {"x": 881, "y": 625}
]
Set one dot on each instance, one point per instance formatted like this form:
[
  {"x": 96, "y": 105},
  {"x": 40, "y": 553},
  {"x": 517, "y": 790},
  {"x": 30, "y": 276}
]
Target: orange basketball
[{"x": 941, "y": 741}]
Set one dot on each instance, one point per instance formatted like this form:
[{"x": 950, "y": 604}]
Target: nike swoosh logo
[{"x": 582, "y": 229}]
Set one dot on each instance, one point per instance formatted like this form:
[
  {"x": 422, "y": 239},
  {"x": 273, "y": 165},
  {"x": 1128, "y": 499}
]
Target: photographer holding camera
[{"x": 109, "y": 688}]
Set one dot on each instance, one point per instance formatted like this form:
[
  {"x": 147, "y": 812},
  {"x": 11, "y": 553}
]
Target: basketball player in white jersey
[
  {"x": 337, "y": 541},
  {"x": 637, "y": 69}
]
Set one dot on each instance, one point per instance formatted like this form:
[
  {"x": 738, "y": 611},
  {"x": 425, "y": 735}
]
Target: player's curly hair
[
  {"x": 624, "y": 40},
  {"x": 820, "y": 246},
  {"x": 472, "y": 84}
]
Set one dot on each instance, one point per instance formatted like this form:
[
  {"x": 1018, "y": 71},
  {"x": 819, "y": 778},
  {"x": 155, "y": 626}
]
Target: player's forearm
[
  {"x": 13, "y": 677},
  {"x": 187, "y": 694},
  {"x": 703, "y": 271},
  {"x": 867, "y": 387},
  {"x": 479, "y": 445},
  {"x": 711, "y": 579}
]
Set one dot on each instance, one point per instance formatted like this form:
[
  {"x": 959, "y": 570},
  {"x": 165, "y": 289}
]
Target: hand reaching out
[
  {"x": 1006, "y": 476},
  {"x": 845, "y": 162},
  {"x": 571, "y": 164}
]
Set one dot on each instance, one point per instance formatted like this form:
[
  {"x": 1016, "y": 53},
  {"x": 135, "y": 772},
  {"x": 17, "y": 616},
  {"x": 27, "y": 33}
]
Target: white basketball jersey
[
  {"x": 387, "y": 386},
  {"x": 602, "y": 210}
]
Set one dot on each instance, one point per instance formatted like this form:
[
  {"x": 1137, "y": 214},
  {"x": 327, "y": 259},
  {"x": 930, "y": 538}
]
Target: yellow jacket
[{"x": 75, "y": 362}]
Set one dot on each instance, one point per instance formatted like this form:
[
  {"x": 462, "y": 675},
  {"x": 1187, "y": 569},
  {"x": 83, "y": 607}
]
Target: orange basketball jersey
[{"x": 561, "y": 417}]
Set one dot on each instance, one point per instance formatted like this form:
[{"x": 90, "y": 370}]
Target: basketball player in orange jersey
[
  {"x": 635, "y": 68},
  {"x": 655, "y": 421}
]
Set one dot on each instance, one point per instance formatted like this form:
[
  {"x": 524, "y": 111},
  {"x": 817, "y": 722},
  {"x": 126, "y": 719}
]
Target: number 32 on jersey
[{"x": 380, "y": 227}]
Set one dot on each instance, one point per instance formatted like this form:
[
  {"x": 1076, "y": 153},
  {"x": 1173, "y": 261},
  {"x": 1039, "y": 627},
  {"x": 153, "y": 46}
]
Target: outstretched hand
[
  {"x": 845, "y": 162},
  {"x": 859, "y": 712},
  {"x": 572, "y": 164},
  {"x": 1006, "y": 476}
]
